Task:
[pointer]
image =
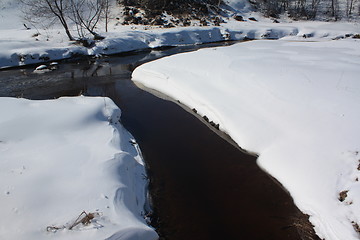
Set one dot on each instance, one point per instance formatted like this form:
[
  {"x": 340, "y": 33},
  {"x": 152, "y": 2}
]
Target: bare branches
[
  {"x": 106, "y": 13},
  {"x": 84, "y": 15},
  {"x": 84, "y": 218},
  {"x": 87, "y": 13},
  {"x": 309, "y": 9},
  {"x": 36, "y": 11}
]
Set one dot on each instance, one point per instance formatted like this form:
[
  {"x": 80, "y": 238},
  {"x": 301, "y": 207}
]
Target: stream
[{"x": 202, "y": 185}]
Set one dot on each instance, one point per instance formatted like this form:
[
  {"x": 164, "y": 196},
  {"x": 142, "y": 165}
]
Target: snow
[
  {"x": 65, "y": 156},
  {"x": 21, "y": 46},
  {"x": 296, "y": 104}
]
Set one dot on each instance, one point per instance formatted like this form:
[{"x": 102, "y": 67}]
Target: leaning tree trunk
[{"x": 59, "y": 13}]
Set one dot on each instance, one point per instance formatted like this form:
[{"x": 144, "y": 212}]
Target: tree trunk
[
  {"x": 71, "y": 38},
  {"x": 59, "y": 13},
  {"x": 351, "y": 6}
]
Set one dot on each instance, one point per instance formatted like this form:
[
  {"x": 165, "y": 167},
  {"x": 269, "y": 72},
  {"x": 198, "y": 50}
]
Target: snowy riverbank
[
  {"x": 21, "y": 46},
  {"x": 18, "y": 48},
  {"x": 296, "y": 104},
  {"x": 62, "y": 157}
]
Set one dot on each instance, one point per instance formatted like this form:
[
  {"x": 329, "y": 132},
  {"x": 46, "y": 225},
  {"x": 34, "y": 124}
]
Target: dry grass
[{"x": 84, "y": 218}]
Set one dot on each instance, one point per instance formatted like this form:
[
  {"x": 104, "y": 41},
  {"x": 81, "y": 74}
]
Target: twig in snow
[{"x": 85, "y": 220}]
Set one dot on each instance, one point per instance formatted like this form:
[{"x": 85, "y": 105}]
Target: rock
[
  {"x": 217, "y": 21},
  {"x": 338, "y": 37},
  {"x": 203, "y": 22},
  {"x": 54, "y": 65},
  {"x": 175, "y": 21},
  {"x": 239, "y": 18},
  {"x": 343, "y": 195},
  {"x": 158, "y": 21},
  {"x": 356, "y": 226},
  {"x": 253, "y": 19},
  {"x": 216, "y": 126},
  {"x": 88, "y": 43},
  {"x": 169, "y": 25},
  {"x": 41, "y": 67},
  {"x": 246, "y": 38},
  {"x": 186, "y": 22},
  {"x": 308, "y": 35}
]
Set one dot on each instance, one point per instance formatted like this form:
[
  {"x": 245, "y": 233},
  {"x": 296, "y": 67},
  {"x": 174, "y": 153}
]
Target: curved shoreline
[
  {"x": 139, "y": 114},
  {"x": 290, "y": 223},
  {"x": 194, "y": 112}
]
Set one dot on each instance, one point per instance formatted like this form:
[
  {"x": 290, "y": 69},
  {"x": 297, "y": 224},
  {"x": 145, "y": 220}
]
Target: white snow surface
[
  {"x": 21, "y": 46},
  {"x": 61, "y": 157},
  {"x": 296, "y": 104}
]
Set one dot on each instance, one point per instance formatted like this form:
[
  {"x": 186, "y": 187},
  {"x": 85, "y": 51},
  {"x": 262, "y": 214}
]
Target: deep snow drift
[
  {"x": 62, "y": 157},
  {"x": 20, "y": 46},
  {"x": 296, "y": 104}
]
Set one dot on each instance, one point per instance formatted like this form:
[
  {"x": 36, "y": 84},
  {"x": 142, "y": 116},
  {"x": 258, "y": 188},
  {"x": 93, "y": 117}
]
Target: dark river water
[{"x": 202, "y": 186}]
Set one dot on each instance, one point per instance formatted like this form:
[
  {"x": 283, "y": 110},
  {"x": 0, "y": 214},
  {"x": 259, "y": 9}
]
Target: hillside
[{"x": 326, "y": 10}]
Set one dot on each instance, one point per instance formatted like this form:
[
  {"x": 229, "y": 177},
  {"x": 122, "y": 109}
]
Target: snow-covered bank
[
  {"x": 24, "y": 44},
  {"x": 297, "y": 104},
  {"x": 19, "y": 47},
  {"x": 62, "y": 157}
]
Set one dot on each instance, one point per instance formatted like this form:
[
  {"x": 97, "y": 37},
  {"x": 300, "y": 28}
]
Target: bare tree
[
  {"x": 349, "y": 7},
  {"x": 335, "y": 9},
  {"x": 106, "y": 13},
  {"x": 37, "y": 10},
  {"x": 86, "y": 14}
]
